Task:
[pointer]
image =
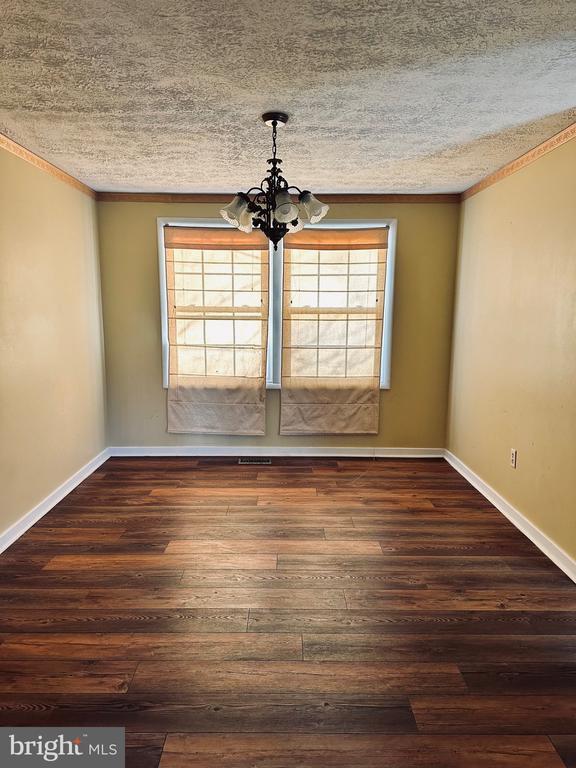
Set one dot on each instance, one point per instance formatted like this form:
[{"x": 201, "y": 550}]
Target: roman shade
[
  {"x": 217, "y": 298},
  {"x": 333, "y": 300}
]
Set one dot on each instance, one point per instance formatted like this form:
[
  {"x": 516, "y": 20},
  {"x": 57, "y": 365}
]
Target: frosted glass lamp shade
[
  {"x": 285, "y": 210},
  {"x": 245, "y": 221},
  {"x": 303, "y": 215},
  {"x": 235, "y": 213},
  {"x": 313, "y": 208}
]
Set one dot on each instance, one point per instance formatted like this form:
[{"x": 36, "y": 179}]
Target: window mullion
[{"x": 274, "y": 346}]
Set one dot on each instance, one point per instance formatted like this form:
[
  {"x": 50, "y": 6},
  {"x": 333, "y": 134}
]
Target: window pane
[
  {"x": 362, "y": 283},
  {"x": 304, "y": 283},
  {"x": 334, "y": 257},
  {"x": 219, "y": 362},
  {"x": 248, "y": 362},
  {"x": 333, "y": 299},
  {"x": 334, "y": 283},
  {"x": 191, "y": 361},
  {"x": 305, "y": 269},
  {"x": 331, "y": 362},
  {"x": 361, "y": 333},
  {"x": 301, "y": 362},
  {"x": 304, "y": 299},
  {"x": 217, "y": 269},
  {"x": 218, "y": 298},
  {"x": 218, "y": 282},
  {"x": 332, "y": 333},
  {"x": 334, "y": 269},
  {"x": 305, "y": 257},
  {"x": 190, "y": 332},
  {"x": 304, "y": 332},
  {"x": 360, "y": 362},
  {"x": 248, "y": 332},
  {"x": 217, "y": 257},
  {"x": 188, "y": 298},
  {"x": 362, "y": 299},
  {"x": 346, "y": 286},
  {"x": 218, "y": 311},
  {"x": 220, "y": 332},
  {"x": 364, "y": 257},
  {"x": 247, "y": 299},
  {"x": 247, "y": 282},
  {"x": 187, "y": 254},
  {"x": 188, "y": 282}
]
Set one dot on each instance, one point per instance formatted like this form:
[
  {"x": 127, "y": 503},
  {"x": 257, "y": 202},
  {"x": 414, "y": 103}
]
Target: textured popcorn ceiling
[{"x": 398, "y": 96}]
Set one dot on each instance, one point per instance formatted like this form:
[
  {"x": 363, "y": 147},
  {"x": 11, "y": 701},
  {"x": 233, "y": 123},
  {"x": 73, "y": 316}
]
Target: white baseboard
[
  {"x": 253, "y": 450},
  {"x": 552, "y": 550},
  {"x": 11, "y": 534}
]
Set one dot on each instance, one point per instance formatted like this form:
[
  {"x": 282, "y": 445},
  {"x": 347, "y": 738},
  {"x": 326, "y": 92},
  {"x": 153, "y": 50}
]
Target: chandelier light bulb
[
  {"x": 285, "y": 210},
  {"x": 314, "y": 209}
]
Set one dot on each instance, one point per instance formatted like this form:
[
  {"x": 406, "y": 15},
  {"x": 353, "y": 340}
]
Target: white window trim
[{"x": 274, "y": 347}]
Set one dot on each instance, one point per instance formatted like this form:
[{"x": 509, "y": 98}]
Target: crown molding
[
  {"x": 521, "y": 162},
  {"x": 38, "y": 162},
  {"x": 567, "y": 134},
  {"x": 184, "y": 197}
]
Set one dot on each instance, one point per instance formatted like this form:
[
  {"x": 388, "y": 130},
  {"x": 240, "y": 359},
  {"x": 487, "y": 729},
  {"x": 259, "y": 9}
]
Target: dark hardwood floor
[{"x": 308, "y": 614}]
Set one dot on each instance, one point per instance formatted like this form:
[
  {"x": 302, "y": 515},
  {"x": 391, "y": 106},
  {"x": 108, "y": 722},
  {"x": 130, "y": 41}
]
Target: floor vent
[{"x": 253, "y": 460}]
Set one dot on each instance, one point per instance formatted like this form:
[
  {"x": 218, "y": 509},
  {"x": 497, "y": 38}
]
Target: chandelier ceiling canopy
[{"x": 275, "y": 207}]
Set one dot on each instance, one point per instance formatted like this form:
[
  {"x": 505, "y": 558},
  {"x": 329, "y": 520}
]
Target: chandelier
[{"x": 271, "y": 206}]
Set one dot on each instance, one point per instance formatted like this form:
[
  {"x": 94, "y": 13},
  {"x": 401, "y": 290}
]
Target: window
[
  {"x": 216, "y": 293},
  {"x": 217, "y": 318},
  {"x": 333, "y": 326},
  {"x": 333, "y": 303}
]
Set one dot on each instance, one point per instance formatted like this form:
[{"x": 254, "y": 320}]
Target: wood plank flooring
[{"x": 310, "y": 614}]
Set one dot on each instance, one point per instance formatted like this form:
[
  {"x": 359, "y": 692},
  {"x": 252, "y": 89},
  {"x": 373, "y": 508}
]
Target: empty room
[{"x": 288, "y": 384}]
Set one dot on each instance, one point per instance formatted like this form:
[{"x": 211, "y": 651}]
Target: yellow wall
[
  {"x": 51, "y": 358},
  {"x": 413, "y": 412},
  {"x": 514, "y": 357},
  {"x": 514, "y": 339}
]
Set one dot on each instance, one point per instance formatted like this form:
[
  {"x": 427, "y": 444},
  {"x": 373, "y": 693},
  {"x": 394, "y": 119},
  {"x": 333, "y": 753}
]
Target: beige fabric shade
[
  {"x": 217, "y": 286},
  {"x": 338, "y": 239},
  {"x": 214, "y": 238},
  {"x": 332, "y": 330}
]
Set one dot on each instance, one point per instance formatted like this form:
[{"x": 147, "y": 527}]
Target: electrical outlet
[{"x": 513, "y": 458}]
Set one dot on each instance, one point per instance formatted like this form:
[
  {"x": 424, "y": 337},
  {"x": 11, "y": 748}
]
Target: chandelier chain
[{"x": 274, "y": 134}]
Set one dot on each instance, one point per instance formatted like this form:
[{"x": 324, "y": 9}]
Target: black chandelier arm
[
  {"x": 258, "y": 190},
  {"x": 293, "y": 186}
]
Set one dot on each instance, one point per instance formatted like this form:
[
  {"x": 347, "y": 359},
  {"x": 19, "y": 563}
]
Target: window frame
[{"x": 276, "y": 270}]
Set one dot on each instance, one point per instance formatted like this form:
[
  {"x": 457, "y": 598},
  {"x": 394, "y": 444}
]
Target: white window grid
[
  {"x": 332, "y": 295},
  {"x": 218, "y": 289}
]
